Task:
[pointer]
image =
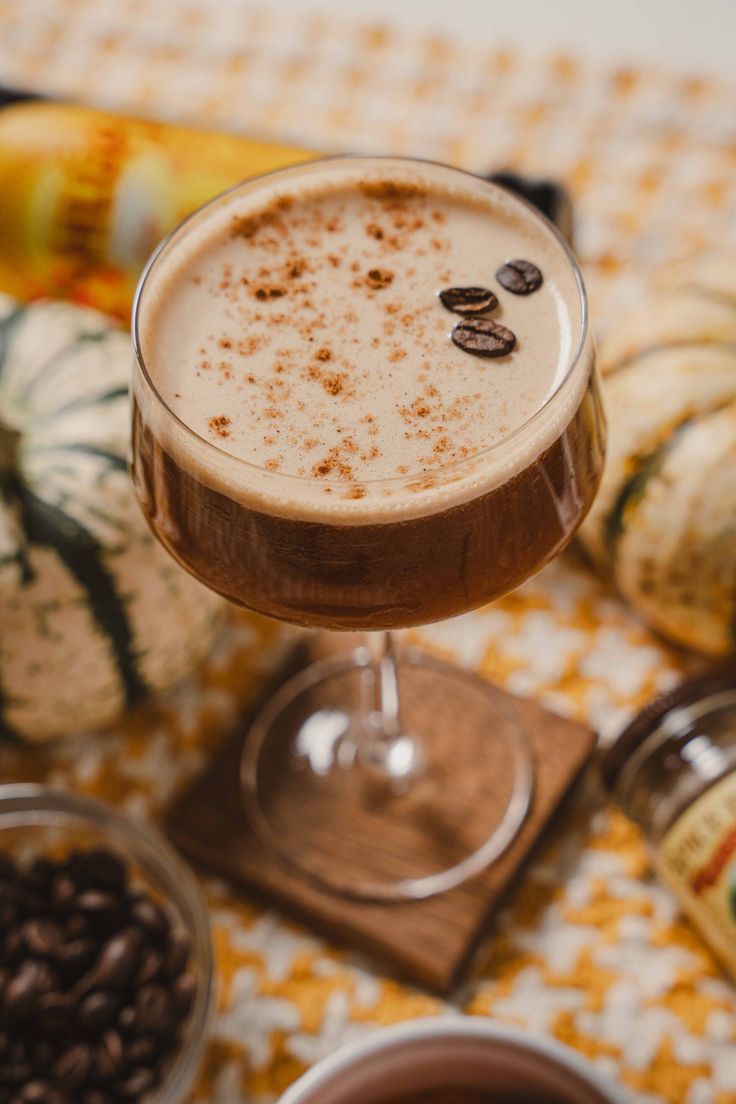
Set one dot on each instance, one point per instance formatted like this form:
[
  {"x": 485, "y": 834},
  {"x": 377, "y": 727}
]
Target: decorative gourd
[
  {"x": 664, "y": 521},
  {"x": 94, "y": 615}
]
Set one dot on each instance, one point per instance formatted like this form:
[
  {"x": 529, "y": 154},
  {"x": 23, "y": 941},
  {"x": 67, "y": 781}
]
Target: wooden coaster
[{"x": 428, "y": 941}]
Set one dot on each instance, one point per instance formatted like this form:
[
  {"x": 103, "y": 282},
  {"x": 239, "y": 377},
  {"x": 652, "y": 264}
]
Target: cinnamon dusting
[
  {"x": 379, "y": 278},
  {"x": 218, "y": 425}
]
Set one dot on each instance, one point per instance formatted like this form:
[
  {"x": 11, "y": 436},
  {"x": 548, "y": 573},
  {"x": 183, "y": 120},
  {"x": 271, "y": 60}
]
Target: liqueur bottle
[
  {"x": 85, "y": 195},
  {"x": 673, "y": 771}
]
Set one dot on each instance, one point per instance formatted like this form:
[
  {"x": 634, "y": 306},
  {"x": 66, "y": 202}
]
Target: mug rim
[{"x": 444, "y": 1026}]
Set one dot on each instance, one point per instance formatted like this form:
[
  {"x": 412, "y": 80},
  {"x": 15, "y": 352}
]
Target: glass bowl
[{"x": 35, "y": 820}]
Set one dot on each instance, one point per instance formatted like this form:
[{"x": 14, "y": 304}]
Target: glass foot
[{"x": 406, "y": 821}]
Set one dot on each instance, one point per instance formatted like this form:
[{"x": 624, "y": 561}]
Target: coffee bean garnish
[
  {"x": 468, "y": 300},
  {"x": 95, "y": 982},
  {"x": 483, "y": 338},
  {"x": 519, "y": 277}
]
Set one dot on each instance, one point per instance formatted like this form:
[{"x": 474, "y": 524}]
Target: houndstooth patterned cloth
[{"x": 591, "y": 949}]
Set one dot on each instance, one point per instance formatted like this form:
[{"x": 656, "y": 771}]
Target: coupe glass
[{"x": 378, "y": 773}]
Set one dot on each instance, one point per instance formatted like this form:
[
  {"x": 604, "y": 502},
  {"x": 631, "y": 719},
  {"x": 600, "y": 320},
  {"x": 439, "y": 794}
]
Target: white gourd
[
  {"x": 94, "y": 615},
  {"x": 664, "y": 521}
]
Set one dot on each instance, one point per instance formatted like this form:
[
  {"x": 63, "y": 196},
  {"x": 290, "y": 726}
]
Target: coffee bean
[
  {"x": 77, "y": 926},
  {"x": 483, "y": 338},
  {"x": 15, "y": 1073},
  {"x": 31, "y": 903},
  {"x": 138, "y": 1082},
  {"x": 39, "y": 875},
  {"x": 75, "y": 957},
  {"x": 31, "y": 981},
  {"x": 143, "y": 1051},
  {"x": 36, "y": 1092},
  {"x": 184, "y": 992},
  {"x": 13, "y": 949},
  {"x": 8, "y": 868},
  {"x": 129, "y": 1022},
  {"x": 180, "y": 945},
  {"x": 150, "y": 916},
  {"x": 41, "y": 937},
  {"x": 63, "y": 894},
  {"x": 150, "y": 969},
  {"x": 109, "y": 1057},
  {"x": 53, "y": 1013},
  {"x": 468, "y": 300},
  {"x": 100, "y": 907},
  {"x": 155, "y": 1010},
  {"x": 117, "y": 962},
  {"x": 98, "y": 869},
  {"x": 94, "y": 983},
  {"x": 73, "y": 1067},
  {"x": 44, "y": 1053},
  {"x": 519, "y": 277},
  {"x": 52, "y": 1096},
  {"x": 96, "y": 1011},
  {"x": 9, "y": 911}
]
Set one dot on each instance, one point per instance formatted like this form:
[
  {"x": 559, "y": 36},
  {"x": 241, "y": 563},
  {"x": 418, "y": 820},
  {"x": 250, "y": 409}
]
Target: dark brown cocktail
[{"x": 379, "y": 575}]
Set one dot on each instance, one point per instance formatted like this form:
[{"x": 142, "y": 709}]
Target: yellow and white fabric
[{"x": 591, "y": 949}]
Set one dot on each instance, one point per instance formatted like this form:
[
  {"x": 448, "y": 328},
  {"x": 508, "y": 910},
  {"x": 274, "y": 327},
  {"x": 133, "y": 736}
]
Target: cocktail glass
[{"x": 379, "y": 773}]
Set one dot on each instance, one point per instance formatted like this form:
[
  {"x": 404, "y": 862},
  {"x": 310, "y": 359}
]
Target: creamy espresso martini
[{"x": 364, "y": 404}]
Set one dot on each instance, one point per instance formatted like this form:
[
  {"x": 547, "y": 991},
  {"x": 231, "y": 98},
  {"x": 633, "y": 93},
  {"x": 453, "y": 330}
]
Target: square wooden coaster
[{"x": 428, "y": 942}]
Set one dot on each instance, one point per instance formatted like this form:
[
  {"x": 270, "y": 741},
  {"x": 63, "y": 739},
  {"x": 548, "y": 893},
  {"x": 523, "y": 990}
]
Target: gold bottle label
[
  {"x": 697, "y": 858},
  {"x": 86, "y": 195}
]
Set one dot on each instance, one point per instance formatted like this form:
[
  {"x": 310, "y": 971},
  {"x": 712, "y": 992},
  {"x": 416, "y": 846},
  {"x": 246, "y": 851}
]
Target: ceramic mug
[{"x": 506, "y": 1062}]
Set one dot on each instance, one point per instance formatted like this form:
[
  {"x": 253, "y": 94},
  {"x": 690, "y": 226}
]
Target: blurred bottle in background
[{"x": 85, "y": 195}]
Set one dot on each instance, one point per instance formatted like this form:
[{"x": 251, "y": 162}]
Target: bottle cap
[{"x": 662, "y": 719}]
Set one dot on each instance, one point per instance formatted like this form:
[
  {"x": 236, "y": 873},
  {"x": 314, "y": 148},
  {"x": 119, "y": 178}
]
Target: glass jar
[
  {"x": 673, "y": 771},
  {"x": 36, "y": 820}
]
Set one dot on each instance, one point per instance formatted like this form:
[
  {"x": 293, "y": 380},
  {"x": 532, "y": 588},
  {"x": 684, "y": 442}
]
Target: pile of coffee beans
[{"x": 95, "y": 982}]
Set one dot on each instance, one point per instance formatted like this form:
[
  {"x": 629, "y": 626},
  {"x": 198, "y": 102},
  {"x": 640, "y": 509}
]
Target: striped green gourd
[
  {"x": 94, "y": 615},
  {"x": 664, "y": 521}
]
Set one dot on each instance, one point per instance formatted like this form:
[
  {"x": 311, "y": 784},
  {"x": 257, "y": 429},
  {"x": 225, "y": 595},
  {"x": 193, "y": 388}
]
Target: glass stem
[{"x": 383, "y": 746}]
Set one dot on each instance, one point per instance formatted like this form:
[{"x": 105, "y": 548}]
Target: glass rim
[{"x": 372, "y": 160}]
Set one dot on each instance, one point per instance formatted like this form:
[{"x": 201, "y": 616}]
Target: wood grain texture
[{"x": 427, "y": 942}]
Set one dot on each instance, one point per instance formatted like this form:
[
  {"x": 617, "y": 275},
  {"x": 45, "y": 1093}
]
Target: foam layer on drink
[{"x": 294, "y": 328}]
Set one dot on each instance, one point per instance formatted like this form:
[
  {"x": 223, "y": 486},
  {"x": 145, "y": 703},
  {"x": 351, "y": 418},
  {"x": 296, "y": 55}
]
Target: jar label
[{"x": 697, "y": 858}]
